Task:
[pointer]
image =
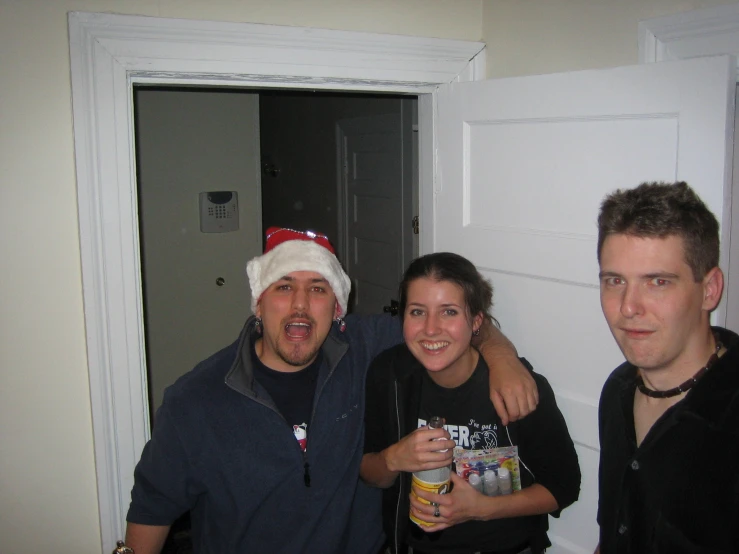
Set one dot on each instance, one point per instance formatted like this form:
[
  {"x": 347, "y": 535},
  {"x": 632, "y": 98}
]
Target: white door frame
[
  {"x": 109, "y": 54},
  {"x": 706, "y": 32}
]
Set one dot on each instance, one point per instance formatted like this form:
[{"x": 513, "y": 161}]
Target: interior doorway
[
  {"x": 298, "y": 159},
  {"x": 283, "y": 155}
]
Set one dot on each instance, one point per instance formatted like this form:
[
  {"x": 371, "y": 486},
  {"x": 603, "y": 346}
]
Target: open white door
[{"x": 523, "y": 166}]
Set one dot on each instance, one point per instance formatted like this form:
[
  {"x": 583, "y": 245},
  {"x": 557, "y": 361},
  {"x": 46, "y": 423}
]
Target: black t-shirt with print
[
  {"x": 473, "y": 424},
  {"x": 292, "y": 392}
]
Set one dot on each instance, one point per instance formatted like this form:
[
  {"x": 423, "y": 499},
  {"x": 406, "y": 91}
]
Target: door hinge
[{"x": 414, "y": 224}]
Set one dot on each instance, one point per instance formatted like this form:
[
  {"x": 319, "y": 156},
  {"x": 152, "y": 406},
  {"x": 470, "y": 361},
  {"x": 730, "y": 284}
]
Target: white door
[
  {"x": 524, "y": 164},
  {"x": 377, "y": 199},
  {"x": 196, "y": 294}
]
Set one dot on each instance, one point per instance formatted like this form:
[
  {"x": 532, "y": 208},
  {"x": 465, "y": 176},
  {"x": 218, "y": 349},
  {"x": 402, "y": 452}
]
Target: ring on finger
[{"x": 437, "y": 513}]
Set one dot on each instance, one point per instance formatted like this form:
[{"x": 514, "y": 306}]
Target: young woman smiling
[{"x": 437, "y": 371}]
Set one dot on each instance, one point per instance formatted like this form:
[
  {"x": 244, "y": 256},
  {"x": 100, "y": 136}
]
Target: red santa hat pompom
[{"x": 287, "y": 250}]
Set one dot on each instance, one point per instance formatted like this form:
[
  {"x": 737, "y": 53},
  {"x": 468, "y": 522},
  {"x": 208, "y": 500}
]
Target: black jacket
[
  {"x": 678, "y": 492},
  {"x": 221, "y": 449}
]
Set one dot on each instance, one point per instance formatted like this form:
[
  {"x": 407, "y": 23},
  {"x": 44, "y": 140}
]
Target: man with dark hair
[
  {"x": 262, "y": 441},
  {"x": 668, "y": 416}
]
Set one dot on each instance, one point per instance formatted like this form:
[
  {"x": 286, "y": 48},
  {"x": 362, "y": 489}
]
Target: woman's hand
[
  {"x": 422, "y": 449},
  {"x": 462, "y": 504},
  {"x": 414, "y": 452},
  {"x": 465, "y": 503}
]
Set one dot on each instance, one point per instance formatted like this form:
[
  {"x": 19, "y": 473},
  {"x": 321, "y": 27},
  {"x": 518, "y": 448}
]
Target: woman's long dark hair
[{"x": 447, "y": 266}]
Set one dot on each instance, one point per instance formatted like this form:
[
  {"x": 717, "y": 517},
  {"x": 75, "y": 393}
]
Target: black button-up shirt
[{"x": 678, "y": 492}]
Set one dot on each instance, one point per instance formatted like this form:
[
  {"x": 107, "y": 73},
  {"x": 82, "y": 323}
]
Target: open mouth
[
  {"x": 298, "y": 330},
  {"x": 434, "y": 346}
]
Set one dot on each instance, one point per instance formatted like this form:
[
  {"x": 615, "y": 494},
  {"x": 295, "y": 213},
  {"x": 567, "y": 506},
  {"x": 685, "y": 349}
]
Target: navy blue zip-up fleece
[{"x": 221, "y": 449}]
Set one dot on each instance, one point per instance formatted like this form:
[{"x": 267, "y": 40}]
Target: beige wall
[
  {"x": 48, "y": 496},
  {"x": 530, "y": 37}
]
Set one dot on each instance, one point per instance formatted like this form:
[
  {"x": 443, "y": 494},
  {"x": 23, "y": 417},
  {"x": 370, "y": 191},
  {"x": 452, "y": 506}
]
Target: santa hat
[{"x": 287, "y": 250}]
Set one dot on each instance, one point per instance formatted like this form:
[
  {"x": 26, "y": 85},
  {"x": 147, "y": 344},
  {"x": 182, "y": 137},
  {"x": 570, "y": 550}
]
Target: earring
[
  {"x": 258, "y": 325},
  {"x": 341, "y": 323},
  {"x": 476, "y": 332}
]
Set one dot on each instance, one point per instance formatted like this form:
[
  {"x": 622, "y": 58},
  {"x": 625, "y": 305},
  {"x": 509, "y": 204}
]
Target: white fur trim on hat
[{"x": 297, "y": 255}]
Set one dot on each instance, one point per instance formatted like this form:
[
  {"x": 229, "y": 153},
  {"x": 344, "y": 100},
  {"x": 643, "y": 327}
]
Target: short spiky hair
[{"x": 660, "y": 210}]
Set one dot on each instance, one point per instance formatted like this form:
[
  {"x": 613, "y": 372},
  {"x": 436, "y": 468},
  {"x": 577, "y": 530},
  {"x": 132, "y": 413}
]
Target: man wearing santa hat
[{"x": 262, "y": 441}]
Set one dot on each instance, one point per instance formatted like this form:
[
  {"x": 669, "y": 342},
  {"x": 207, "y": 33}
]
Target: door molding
[
  {"x": 109, "y": 54},
  {"x": 706, "y": 32}
]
